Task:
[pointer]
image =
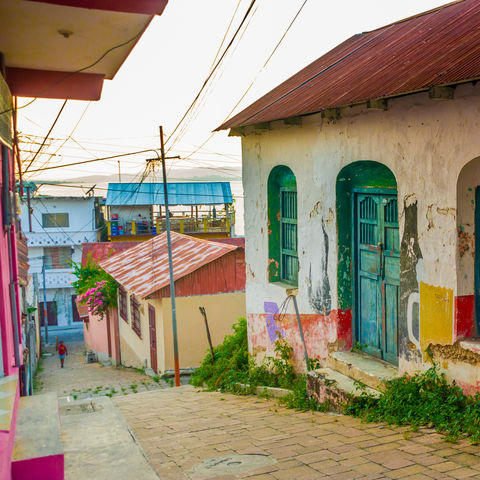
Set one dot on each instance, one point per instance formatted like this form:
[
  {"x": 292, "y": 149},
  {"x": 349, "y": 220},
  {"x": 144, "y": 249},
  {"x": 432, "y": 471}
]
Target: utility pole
[
  {"x": 45, "y": 313},
  {"x": 170, "y": 265},
  {"x": 119, "y": 173}
]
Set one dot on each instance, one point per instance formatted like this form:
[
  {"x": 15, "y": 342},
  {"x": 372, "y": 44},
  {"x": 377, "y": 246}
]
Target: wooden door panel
[
  {"x": 378, "y": 273},
  {"x": 369, "y": 334},
  {"x": 153, "y": 338},
  {"x": 391, "y": 315}
]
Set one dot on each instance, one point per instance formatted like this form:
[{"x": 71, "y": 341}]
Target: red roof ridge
[{"x": 398, "y": 59}]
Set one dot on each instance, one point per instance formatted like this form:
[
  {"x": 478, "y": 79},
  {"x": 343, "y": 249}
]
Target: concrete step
[
  {"x": 362, "y": 367},
  {"x": 38, "y": 450},
  {"x": 328, "y": 385},
  {"x": 99, "y": 443}
]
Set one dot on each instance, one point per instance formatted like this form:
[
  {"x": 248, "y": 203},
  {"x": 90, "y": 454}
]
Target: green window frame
[{"x": 288, "y": 235}]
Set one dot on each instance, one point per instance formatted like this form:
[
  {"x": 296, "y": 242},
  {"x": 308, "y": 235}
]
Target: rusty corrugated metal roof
[
  {"x": 438, "y": 47},
  {"x": 100, "y": 250},
  {"x": 143, "y": 269}
]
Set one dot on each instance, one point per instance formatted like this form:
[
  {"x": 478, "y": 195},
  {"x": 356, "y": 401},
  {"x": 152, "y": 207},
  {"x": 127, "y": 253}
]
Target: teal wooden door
[{"x": 377, "y": 274}]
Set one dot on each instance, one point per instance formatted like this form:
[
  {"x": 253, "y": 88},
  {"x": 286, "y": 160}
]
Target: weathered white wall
[
  {"x": 81, "y": 221},
  {"x": 424, "y": 142},
  {"x": 81, "y": 213}
]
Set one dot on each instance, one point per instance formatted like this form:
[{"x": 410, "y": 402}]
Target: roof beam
[
  {"x": 377, "y": 104},
  {"x": 262, "y": 126},
  {"x": 441, "y": 93},
  {"x": 145, "y": 7},
  {"x": 24, "y": 82},
  {"x": 237, "y": 132},
  {"x": 331, "y": 114},
  {"x": 297, "y": 120}
]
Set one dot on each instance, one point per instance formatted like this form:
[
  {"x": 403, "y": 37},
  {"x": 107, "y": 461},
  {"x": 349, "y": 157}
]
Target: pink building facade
[{"x": 66, "y": 66}]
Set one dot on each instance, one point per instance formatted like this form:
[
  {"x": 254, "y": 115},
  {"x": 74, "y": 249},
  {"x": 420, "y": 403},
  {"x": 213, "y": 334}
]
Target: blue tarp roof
[{"x": 194, "y": 193}]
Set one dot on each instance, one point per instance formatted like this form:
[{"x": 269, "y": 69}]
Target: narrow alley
[
  {"x": 81, "y": 380},
  {"x": 183, "y": 433}
]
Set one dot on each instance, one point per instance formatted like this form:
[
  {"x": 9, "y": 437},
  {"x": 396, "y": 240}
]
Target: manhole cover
[
  {"x": 77, "y": 409},
  {"x": 233, "y": 464}
]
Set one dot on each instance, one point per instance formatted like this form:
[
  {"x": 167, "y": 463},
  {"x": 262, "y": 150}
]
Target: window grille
[
  {"x": 288, "y": 235},
  {"x": 122, "y": 300},
  {"x": 135, "y": 311}
]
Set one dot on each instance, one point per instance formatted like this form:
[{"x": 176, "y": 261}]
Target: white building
[
  {"x": 361, "y": 176},
  {"x": 55, "y": 231}
]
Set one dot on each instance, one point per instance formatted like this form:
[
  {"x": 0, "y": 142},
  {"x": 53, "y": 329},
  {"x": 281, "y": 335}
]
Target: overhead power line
[
  {"x": 68, "y": 137},
  {"x": 218, "y": 74},
  {"x": 252, "y": 3},
  {"x": 96, "y": 160},
  {"x": 46, "y": 137},
  {"x": 255, "y": 78}
]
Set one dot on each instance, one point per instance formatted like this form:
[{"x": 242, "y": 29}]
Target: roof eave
[{"x": 237, "y": 130}]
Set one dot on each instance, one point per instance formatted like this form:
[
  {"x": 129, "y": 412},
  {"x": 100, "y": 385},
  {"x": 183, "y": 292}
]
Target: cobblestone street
[
  {"x": 181, "y": 428},
  {"x": 188, "y": 434},
  {"x": 80, "y": 380}
]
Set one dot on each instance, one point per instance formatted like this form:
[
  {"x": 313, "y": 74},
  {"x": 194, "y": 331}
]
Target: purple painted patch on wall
[{"x": 274, "y": 331}]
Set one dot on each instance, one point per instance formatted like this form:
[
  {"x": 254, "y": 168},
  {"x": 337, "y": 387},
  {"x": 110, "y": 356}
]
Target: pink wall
[
  {"x": 321, "y": 332},
  {"x": 96, "y": 334},
  {"x": 7, "y": 440},
  {"x": 5, "y": 307},
  {"x": 7, "y": 437}
]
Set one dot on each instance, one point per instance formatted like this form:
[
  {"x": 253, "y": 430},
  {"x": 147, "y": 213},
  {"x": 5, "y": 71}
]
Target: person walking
[{"x": 62, "y": 352}]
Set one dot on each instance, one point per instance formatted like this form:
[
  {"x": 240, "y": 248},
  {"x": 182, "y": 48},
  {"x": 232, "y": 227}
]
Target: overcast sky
[{"x": 167, "y": 67}]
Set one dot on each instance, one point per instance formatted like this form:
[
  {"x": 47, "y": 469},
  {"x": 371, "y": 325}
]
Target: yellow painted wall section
[
  {"x": 436, "y": 316},
  {"x": 222, "y": 310}
]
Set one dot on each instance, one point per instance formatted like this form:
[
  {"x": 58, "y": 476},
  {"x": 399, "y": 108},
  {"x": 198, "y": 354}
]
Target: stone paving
[
  {"x": 182, "y": 427},
  {"x": 81, "y": 380}
]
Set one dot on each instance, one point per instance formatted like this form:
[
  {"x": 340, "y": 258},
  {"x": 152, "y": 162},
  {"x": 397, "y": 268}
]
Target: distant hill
[
  {"x": 69, "y": 187},
  {"x": 223, "y": 174}
]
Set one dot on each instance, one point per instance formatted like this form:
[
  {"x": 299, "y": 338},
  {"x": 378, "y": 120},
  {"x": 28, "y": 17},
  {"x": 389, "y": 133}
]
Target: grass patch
[
  {"x": 233, "y": 366},
  {"x": 423, "y": 399}
]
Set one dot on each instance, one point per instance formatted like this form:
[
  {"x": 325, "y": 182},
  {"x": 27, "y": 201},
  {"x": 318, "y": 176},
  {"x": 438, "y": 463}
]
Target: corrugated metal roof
[
  {"x": 100, "y": 250},
  {"x": 149, "y": 193},
  {"x": 438, "y": 47},
  {"x": 144, "y": 269}
]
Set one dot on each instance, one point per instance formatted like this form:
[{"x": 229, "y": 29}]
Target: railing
[{"x": 187, "y": 225}]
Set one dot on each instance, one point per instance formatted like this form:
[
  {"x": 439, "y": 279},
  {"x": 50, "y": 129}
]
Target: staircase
[{"x": 347, "y": 374}]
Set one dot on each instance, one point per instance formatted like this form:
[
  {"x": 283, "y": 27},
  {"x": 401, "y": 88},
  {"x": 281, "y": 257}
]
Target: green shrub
[
  {"x": 231, "y": 362},
  {"x": 233, "y": 366},
  {"x": 424, "y": 399}
]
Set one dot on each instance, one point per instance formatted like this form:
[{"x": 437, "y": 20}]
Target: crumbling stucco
[{"x": 453, "y": 353}]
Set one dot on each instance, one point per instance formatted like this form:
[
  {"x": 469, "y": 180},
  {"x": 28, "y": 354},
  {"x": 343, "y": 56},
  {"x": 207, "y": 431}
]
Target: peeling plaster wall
[{"x": 425, "y": 143}]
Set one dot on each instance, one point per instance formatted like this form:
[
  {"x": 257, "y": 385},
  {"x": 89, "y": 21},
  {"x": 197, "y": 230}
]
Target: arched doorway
[
  {"x": 468, "y": 244},
  {"x": 369, "y": 255}
]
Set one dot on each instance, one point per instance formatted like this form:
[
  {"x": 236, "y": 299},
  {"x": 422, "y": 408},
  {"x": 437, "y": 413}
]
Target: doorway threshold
[{"x": 362, "y": 367}]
